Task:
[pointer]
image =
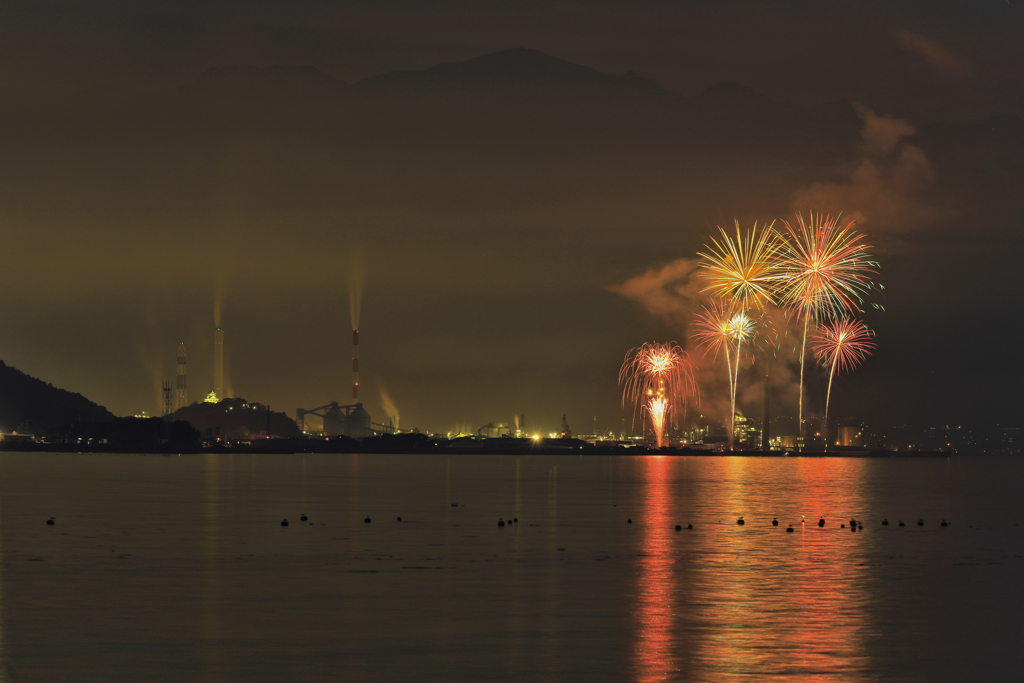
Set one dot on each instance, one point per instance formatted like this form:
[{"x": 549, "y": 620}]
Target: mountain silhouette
[
  {"x": 514, "y": 69},
  {"x": 30, "y": 404}
]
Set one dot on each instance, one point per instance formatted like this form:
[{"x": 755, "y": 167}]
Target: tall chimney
[
  {"x": 765, "y": 443},
  {"x": 218, "y": 364},
  {"x": 355, "y": 365},
  {"x": 181, "y": 399},
  {"x": 165, "y": 392}
]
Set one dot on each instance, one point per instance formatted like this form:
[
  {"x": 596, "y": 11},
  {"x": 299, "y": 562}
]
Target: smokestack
[
  {"x": 182, "y": 395},
  {"x": 218, "y": 364},
  {"x": 166, "y": 394},
  {"x": 355, "y": 365},
  {"x": 765, "y": 445}
]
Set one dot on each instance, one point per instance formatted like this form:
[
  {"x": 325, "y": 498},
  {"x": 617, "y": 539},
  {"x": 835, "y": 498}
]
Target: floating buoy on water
[
  {"x": 775, "y": 522},
  {"x": 740, "y": 521},
  {"x": 284, "y": 522},
  {"x": 821, "y": 522},
  {"x": 50, "y": 521}
]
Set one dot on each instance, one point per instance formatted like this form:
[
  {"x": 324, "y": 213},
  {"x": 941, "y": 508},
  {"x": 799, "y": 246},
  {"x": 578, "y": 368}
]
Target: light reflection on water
[{"x": 178, "y": 568}]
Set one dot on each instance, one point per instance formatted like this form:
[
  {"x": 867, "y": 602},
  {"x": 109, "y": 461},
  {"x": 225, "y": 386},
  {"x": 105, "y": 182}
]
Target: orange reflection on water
[
  {"x": 655, "y": 614},
  {"x": 780, "y": 603}
]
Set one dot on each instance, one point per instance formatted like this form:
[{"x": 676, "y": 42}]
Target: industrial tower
[
  {"x": 355, "y": 366},
  {"x": 181, "y": 398},
  {"x": 218, "y": 364},
  {"x": 166, "y": 393}
]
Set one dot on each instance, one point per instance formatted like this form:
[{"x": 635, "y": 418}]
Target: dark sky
[{"x": 519, "y": 218}]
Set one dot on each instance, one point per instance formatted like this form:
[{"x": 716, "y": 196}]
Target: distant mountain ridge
[
  {"x": 515, "y": 68},
  {"x": 28, "y": 401}
]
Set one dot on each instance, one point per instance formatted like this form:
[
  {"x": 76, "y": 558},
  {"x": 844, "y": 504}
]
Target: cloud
[
  {"x": 670, "y": 292},
  {"x": 887, "y": 189},
  {"x": 935, "y": 54}
]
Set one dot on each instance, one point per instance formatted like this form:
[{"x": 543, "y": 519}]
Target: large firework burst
[
  {"x": 841, "y": 344},
  {"x": 742, "y": 271},
  {"x": 657, "y": 378},
  {"x": 824, "y": 272}
]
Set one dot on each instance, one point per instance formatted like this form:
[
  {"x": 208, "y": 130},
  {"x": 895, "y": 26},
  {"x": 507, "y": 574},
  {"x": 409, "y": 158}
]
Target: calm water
[{"x": 177, "y": 569}]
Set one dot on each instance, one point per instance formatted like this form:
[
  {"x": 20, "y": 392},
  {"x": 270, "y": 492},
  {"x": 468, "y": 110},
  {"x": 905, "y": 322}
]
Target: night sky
[{"x": 523, "y": 216}]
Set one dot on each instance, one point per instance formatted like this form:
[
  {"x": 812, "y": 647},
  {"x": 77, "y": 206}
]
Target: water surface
[{"x": 177, "y": 568}]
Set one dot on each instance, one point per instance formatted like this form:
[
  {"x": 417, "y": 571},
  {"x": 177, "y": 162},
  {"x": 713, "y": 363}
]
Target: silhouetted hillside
[
  {"x": 236, "y": 418},
  {"x": 516, "y": 68},
  {"x": 30, "y": 404}
]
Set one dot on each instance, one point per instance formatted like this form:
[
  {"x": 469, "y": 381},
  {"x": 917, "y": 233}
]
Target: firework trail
[
  {"x": 657, "y": 378},
  {"x": 841, "y": 344},
  {"x": 742, "y": 273},
  {"x": 824, "y": 271},
  {"x": 718, "y": 330}
]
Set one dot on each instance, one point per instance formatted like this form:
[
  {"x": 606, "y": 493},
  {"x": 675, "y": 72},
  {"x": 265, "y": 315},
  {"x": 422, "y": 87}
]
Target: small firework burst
[{"x": 657, "y": 378}]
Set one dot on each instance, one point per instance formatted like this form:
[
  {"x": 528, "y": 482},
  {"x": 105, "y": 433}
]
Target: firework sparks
[
  {"x": 657, "y": 378},
  {"x": 743, "y": 271},
  {"x": 824, "y": 272},
  {"x": 841, "y": 344},
  {"x": 719, "y": 329}
]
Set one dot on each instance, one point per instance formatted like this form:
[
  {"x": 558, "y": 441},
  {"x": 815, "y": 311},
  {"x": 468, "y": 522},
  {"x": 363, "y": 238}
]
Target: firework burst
[
  {"x": 743, "y": 271},
  {"x": 657, "y": 378},
  {"x": 824, "y": 272},
  {"x": 721, "y": 330},
  {"x": 841, "y": 344}
]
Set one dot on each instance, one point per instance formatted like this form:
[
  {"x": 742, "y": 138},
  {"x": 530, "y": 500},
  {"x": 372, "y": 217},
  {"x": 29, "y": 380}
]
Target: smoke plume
[
  {"x": 390, "y": 409},
  {"x": 356, "y": 277},
  {"x": 887, "y": 189}
]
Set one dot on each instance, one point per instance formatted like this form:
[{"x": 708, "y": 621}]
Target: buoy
[
  {"x": 516, "y": 520},
  {"x": 679, "y": 527},
  {"x": 853, "y": 527},
  {"x": 740, "y": 521},
  {"x": 789, "y": 528},
  {"x": 501, "y": 523},
  {"x": 284, "y": 522},
  {"x": 629, "y": 521},
  {"x": 775, "y": 522},
  {"x": 920, "y": 522},
  {"x": 821, "y": 522},
  {"x": 303, "y": 518},
  {"x": 689, "y": 526},
  {"x": 944, "y": 523},
  {"x": 367, "y": 520},
  {"x": 455, "y": 505},
  {"x": 901, "y": 523},
  {"x": 842, "y": 526},
  {"x": 50, "y": 521},
  {"x": 399, "y": 519},
  {"x": 885, "y": 522}
]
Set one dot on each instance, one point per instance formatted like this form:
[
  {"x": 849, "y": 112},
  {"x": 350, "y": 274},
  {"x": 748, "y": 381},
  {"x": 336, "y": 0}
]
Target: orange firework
[
  {"x": 824, "y": 271},
  {"x": 743, "y": 271},
  {"x": 719, "y": 329},
  {"x": 657, "y": 378},
  {"x": 841, "y": 344}
]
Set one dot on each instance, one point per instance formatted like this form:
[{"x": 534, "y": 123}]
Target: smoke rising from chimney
[{"x": 356, "y": 278}]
